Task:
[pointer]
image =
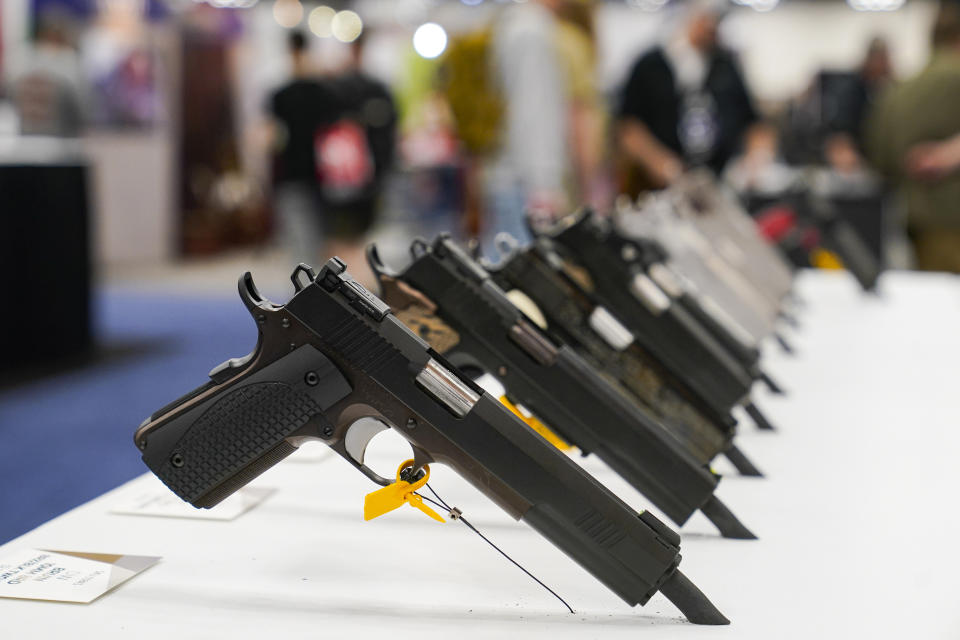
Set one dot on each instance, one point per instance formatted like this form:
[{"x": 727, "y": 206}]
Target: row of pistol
[{"x": 631, "y": 337}]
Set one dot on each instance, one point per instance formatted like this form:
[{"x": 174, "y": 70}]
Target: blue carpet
[{"x": 67, "y": 438}]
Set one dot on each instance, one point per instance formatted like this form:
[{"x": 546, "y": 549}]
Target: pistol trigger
[{"x": 421, "y": 459}]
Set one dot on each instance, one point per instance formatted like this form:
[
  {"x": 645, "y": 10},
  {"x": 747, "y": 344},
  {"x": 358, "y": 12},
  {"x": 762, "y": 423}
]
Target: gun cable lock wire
[{"x": 456, "y": 514}]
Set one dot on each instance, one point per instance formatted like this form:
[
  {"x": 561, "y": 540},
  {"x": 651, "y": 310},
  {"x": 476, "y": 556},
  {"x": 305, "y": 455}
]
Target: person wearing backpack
[
  {"x": 353, "y": 156},
  {"x": 299, "y": 109}
]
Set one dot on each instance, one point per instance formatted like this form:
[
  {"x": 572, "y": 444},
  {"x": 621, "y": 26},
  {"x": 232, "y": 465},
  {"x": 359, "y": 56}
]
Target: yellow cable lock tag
[
  {"x": 535, "y": 424},
  {"x": 824, "y": 259},
  {"x": 397, "y": 494}
]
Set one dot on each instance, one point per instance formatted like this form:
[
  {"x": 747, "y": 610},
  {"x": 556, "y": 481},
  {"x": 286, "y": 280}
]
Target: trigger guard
[
  {"x": 355, "y": 442},
  {"x": 359, "y": 435}
]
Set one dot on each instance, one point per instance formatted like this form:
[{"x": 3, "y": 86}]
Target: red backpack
[{"x": 345, "y": 165}]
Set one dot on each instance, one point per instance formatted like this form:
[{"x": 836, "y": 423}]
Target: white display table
[{"x": 857, "y": 520}]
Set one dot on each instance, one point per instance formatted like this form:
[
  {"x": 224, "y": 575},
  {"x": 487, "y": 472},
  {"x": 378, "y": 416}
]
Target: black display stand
[{"x": 45, "y": 258}]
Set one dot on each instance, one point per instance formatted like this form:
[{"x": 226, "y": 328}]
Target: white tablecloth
[{"x": 857, "y": 518}]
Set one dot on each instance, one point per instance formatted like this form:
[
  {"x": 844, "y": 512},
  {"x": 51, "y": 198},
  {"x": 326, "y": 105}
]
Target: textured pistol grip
[{"x": 235, "y": 439}]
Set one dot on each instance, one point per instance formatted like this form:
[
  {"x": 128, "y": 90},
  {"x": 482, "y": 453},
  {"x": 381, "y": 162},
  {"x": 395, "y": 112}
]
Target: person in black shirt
[
  {"x": 354, "y": 155},
  {"x": 335, "y": 139},
  {"x": 685, "y": 104},
  {"x": 300, "y": 108},
  {"x": 364, "y": 105}
]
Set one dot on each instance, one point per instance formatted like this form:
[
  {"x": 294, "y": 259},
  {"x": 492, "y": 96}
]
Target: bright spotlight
[
  {"x": 429, "y": 40},
  {"x": 321, "y": 21},
  {"x": 346, "y": 26},
  {"x": 288, "y": 13}
]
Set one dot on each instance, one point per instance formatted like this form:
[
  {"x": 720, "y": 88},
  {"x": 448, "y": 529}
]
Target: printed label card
[{"x": 66, "y": 576}]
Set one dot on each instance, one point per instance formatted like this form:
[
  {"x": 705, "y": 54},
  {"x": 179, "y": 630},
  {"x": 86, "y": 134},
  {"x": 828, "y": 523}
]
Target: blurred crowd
[{"x": 508, "y": 127}]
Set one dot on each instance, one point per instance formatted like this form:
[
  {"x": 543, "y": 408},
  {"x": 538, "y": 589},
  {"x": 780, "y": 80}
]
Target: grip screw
[
  {"x": 176, "y": 460},
  {"x": 411, "y": 423},
  {"x": 311, "y": 378},
  {"x": 327, "y": 431},
  {"x": 261, "y": 319},
  {"x": 285, "y": 323}
]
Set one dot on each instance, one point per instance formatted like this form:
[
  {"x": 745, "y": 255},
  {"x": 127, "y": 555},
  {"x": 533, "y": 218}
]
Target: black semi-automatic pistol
[
  {"x": 724, "y": 329},
  {"x": 335, "y": 354},
  {"x": 571, "y": 313},
  {"x": 612, "y": 268},
  {"x": 453, "y": 303}
]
